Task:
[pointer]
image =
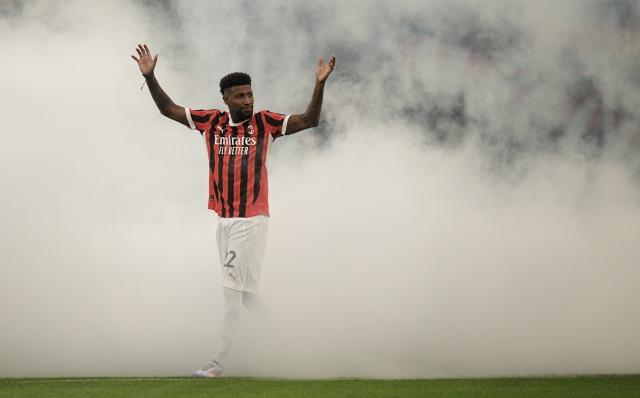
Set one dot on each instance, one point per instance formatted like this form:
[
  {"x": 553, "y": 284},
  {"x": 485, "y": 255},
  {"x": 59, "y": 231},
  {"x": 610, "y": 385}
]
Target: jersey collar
[{"x": 231, "y": 123}]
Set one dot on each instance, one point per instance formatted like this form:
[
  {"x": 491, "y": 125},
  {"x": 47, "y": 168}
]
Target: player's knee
[
  {"x": 248, "y": 299},
  {"x": 232, "y": 296},
  {"x": 253, "y": 303}
]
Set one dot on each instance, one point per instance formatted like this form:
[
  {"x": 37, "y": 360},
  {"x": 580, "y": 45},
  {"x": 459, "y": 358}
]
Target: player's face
[{"x": 239, "y": 99}]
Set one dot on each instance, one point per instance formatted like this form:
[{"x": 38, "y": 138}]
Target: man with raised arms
[{"x": 238, "y": 143}]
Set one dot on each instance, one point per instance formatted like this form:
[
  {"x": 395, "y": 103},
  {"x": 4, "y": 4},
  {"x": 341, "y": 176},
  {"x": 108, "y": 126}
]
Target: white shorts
[{"x": 241, "y": 244}]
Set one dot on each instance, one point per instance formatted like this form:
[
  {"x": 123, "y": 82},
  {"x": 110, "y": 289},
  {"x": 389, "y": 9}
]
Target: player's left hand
[
  {"x": 323, "y": 71},
  {"x": 146, "y": 63}
]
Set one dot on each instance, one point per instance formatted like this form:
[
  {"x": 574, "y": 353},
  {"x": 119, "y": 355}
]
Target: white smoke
[{"x": 468, "y": 207}]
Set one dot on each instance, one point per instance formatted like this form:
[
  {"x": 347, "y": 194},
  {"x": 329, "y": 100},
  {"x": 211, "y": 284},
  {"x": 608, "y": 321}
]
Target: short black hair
[{"x": 234, "y": 79}]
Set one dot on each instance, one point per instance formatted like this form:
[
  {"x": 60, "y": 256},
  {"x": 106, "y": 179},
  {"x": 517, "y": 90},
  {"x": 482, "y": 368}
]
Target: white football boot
[{"x": 211, "y": 369}]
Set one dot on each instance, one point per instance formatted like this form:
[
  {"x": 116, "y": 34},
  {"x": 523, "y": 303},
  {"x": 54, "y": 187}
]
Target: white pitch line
[{"x": 106, "y": 379}]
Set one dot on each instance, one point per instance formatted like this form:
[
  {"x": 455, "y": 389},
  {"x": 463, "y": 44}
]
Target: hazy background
[{"x": 469, "y": 206}]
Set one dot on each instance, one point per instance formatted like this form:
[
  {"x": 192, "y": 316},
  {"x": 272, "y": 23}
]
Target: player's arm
[
  {"x": 166, "y": 106},
  {"x": 311, "y": 118}
]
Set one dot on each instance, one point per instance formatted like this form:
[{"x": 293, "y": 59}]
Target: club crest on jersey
[{"x": 250, "y": 129}]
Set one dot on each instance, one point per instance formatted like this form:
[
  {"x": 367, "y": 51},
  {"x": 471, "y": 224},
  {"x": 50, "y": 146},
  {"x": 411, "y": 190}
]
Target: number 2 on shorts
[{"x": 233, "y": 256}]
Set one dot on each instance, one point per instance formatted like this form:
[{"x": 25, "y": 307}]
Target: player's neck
[{"x": 238, "y": 119}]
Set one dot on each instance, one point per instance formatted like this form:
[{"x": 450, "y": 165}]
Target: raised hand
[
  {"x": 323, "y": 71},
  {"x": 145, "y": 62}
]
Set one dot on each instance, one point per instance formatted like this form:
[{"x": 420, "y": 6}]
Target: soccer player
[{"x": 238, "y": 143}]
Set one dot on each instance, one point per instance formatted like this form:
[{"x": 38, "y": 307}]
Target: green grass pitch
[{"x": 576, "y": 386}]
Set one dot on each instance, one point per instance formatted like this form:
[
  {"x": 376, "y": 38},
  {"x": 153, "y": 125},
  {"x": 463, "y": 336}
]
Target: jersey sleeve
[
  {"x": 277, "y": 123},
  {"x": 200, "y": 119}
]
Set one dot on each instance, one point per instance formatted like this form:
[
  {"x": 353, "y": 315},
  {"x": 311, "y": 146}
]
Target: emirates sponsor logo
[
  {"x": 234, "y": 145},
  {"x": 234, "y": 141}
]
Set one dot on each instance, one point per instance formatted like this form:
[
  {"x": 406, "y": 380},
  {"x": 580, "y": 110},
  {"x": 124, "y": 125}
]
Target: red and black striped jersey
[{"x": 238, "y": 181}]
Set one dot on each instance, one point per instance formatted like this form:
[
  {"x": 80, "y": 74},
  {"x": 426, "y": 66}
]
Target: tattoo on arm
[
  {"x": 162, "y": 100},
  {"x": 293, "y": 126},
  {"x": 311, "y": 117},
  {"x": 167, "y": 107}
]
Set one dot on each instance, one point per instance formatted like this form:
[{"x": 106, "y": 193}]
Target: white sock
[
  {"x": 223, "y": 349},
  {"x": 230, "y": 323}
]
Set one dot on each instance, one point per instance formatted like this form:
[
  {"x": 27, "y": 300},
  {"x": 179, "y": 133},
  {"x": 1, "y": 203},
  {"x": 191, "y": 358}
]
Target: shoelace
[{"x": 210, "y": 365}]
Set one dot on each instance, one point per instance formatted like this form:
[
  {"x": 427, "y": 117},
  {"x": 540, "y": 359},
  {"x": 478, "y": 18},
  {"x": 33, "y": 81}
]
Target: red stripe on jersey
[{"x": 238, "y": 181}]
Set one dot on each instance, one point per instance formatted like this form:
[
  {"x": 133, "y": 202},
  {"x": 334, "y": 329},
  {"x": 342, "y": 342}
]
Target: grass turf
[{"x": 577, "y": 386}]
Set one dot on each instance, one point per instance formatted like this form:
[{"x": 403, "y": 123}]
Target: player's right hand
[{"x": 145, "y": 62}]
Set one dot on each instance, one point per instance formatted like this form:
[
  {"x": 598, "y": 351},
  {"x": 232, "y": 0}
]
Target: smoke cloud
[{"x": 469, "y": 205}]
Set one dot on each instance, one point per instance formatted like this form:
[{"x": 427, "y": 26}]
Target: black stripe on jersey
[
  {"x": 220, "y": 166},
  {"x": 257, "y": 166},
  {"x": 212, "y": 155},
  {"x": 231, "y": 172},
  {"x": 273, "y": 122},
  {"x": 216, "y": 191},
  {"x": 202, "y": 118},
  {"x": 244, "y": 180}
]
